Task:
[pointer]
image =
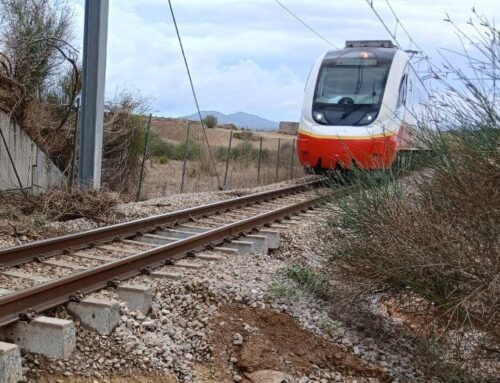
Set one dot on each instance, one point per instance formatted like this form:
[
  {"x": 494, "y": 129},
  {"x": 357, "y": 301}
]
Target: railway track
[{"x": 52, "y": 272}]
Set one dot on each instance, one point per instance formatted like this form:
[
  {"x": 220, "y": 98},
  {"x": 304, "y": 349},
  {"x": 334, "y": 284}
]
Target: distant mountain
[{"x": 240, "y": 119}]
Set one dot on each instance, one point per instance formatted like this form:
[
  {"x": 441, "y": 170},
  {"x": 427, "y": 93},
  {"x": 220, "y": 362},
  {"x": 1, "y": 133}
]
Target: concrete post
[{"x": 94, "y": 75}]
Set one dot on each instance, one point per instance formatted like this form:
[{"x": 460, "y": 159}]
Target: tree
[
  {"x": 34, "y": 38},
  {"x": 210, "y": 121}
]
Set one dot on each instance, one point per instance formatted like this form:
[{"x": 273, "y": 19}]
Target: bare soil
[{"x": 274, "y": 341}]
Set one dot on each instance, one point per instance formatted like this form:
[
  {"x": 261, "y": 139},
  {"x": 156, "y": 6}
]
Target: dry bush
[
  {"x": 123, "y": 142},
  {"x": 62, "y": 204},
  {"x": 436, "y": 232}
]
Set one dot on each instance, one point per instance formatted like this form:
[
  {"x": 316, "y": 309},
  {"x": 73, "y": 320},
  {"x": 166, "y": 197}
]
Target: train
[{"x": 361, "y": 107}]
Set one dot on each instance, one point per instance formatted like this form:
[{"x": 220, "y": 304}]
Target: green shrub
[
  {"x": 162, "y": 149},
  {"x": 157, "y": 147},
  {"x": 244, "y": 153},
  {"x": 210, "y": 121},
  {"x": 195, "y": 150},
  {"x": 162, "y": 159}
]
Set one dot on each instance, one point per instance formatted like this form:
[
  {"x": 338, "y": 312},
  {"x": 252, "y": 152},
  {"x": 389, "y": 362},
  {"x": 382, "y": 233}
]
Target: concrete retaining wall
[{"x": 36, "y": 171}]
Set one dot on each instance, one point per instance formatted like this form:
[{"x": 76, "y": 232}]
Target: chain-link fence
[{"x": 179, "y": 159}]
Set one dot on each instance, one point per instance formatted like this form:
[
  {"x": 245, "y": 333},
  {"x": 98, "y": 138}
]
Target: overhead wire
[
  {"x": 305, "y": 24},
  {"x": 194, "y": 92},
  {"x": 394, "y": 37}
]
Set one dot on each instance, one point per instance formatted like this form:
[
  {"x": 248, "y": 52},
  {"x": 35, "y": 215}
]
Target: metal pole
[
  {"x": 291, "y": 162},
  {"x": 278, "y": 160},
  {"x": 95, "y": 38},
  {"x": 144, "y": 156},
  {"x": 75, "y": 135},
  {"x": 185, "y": 157},
  {"x": 227, "y": 160},
  {"x": 260, "y": 159}
]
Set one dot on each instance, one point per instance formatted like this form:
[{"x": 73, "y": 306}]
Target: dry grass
[
  {"x": 164, "y": 179},
  {"x": 175, "y": 131},
  {"x": 60, "y": 204}
]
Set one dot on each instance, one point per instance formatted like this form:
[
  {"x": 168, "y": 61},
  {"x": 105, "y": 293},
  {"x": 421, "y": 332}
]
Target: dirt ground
[{"x": 274, "y": 341}]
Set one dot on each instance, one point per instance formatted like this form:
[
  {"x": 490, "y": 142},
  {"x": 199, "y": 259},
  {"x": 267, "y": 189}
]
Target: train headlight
[
  {"x": 368, "y": 118},
  {"x": 319, "y": 117}
]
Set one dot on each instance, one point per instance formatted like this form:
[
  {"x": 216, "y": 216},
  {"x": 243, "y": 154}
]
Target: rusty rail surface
[
  {"x": 47, "y": 295},
  {"x": 17, "y": 255}
]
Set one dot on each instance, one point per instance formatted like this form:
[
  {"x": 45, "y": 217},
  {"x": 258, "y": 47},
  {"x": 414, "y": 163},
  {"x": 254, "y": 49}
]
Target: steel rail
[
  {"x": 17, "y": 255},
  {"x": 51, "y": 294}
]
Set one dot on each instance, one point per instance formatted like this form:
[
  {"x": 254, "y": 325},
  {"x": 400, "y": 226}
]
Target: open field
[
  {"x": 175, "y": 131},
  {"x": 277, "y": 160}
]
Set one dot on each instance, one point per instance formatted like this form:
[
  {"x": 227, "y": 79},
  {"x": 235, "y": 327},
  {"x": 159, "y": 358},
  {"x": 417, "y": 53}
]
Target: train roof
[
  {"x": 382, "y": 49},
  {"x": 380, "y": 53}
]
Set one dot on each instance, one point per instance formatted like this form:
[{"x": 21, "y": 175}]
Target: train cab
[{"x": 356, "y": 108}]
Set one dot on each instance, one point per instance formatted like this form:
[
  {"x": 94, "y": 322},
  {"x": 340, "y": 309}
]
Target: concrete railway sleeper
[
  {"x": 38, "y": 250},
  {"x": 166, "y": 246}
]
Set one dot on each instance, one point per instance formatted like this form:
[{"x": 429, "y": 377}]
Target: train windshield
[
  {"x": 349, "y": 90},
  {"x": 361, "y": 84}
]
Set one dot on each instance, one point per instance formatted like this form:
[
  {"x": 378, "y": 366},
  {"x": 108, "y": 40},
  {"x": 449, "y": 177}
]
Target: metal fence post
[
  {"x": 144, "y": 156},
  {"x": 18, "y": 178},
  {"x": 293, "y": 155},
  {"x": 186, "y": 151},
  {"x": 278, "y": 159},
  {"x": 259, "y": 162},
  {"x": 228, "y": 158},
  {"x": 75, "y": 144}
]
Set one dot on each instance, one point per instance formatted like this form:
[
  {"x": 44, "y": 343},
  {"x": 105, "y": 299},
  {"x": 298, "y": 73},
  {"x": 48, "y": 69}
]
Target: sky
[{"x": 250, "y": 55}]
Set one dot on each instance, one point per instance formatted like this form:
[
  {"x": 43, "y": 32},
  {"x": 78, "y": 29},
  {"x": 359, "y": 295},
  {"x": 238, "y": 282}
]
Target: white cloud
[{"x": 249, "y": 54}]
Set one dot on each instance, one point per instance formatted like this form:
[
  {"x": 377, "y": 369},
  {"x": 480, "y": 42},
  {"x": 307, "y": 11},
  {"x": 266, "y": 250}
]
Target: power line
[
  {"x": 194, "y": 92},
  {"x": 305, "y": 24},
  {"x": 398, "y": 22},
  {"x": 394, "y": 37}
]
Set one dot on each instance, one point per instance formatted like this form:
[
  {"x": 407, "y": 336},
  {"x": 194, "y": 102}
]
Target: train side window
[{"x": 402, "y": 91}]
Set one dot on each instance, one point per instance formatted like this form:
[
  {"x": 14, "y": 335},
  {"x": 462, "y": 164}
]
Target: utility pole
[{"x": 95, "y": 39}]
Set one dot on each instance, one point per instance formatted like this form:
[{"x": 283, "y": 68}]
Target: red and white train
[{"x": 360, "y": 107}]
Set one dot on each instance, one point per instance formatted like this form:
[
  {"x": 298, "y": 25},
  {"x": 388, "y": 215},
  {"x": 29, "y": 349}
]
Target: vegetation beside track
[{"x": 435, "y": 232}]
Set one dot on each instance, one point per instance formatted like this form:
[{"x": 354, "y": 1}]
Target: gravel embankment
[{"x": 184, "y": 333}]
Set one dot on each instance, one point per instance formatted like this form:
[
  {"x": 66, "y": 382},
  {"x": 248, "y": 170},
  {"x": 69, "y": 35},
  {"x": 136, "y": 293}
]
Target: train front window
[
  {"x": 362, "y": 84},
  {"x": 348, "y": 89}
]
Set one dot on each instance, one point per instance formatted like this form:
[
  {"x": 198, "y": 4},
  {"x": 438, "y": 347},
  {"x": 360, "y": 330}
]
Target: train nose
[{"x": 331, "y": 153}]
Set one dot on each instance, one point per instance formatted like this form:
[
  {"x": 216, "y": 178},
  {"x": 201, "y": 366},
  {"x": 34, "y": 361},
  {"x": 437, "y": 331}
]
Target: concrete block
[
  {"x": 51, "y": 337},
  {"x": 95, "y": 257},
  {"x": 4, "y": 292},
  {"x": 188, "y": 265},
  {"x": 243, "y": 247},
  {"x": 166, "y": 275},
  {"x": 99, "y": 315},
  {"x": 226, "y": 250},
  {"x": 63, "y": 264},
  {"x": 193, "y": 229},
  {"x": 273, "y": 238},
  {"x": 155, "y": 239},
  {"x": 116, "y": 249},
  {"x": 137, "y": 297},
  {"x": 280, "y": 226},
  {"x": 208, "y": 257},
  {"x": 11, "y": 370},
  {"x": 146, "y": 245},
  {"x": 177, "y": 234},
  {"x": 23, "y": 275},
  {"x": 259, "y": 243}
]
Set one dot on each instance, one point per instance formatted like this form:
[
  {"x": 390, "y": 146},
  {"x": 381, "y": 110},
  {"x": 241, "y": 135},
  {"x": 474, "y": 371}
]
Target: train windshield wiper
[{"x": 356, "y": 106}]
